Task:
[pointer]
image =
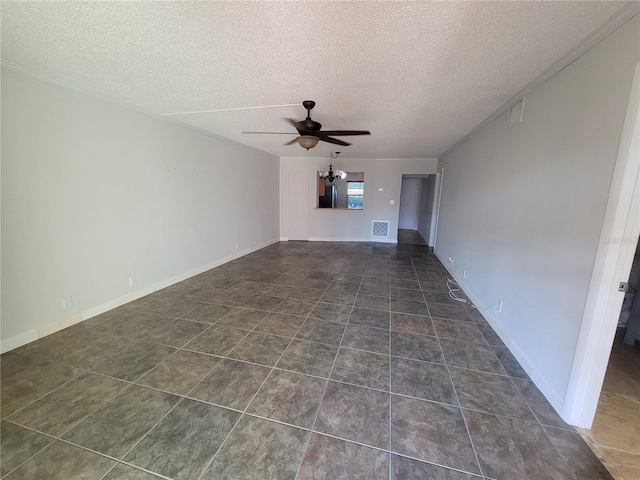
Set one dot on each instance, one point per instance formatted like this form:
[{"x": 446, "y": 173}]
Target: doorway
[{"x": 409, "y": 196}]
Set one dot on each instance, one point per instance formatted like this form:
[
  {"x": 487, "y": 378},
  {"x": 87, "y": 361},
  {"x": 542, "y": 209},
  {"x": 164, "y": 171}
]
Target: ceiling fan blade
[
  {"x": 333, "y": 140},
  {"x": 339, "y": 133},
  {"x": 292, "y": 141},
  {"x": 270, "y": 133}
]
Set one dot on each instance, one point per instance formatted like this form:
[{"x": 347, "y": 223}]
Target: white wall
[
  {"x": 522, "y": 207},
  {"x": 93, "y": 193},
  {"x": 350, "y": 225}
]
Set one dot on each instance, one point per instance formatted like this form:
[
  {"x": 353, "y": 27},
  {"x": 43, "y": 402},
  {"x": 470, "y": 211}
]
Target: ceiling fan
[{"x": 311, "y": 133}]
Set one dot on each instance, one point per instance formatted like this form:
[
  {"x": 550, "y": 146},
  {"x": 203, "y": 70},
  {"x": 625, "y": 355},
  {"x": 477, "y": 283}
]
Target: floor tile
[
  {"x": 208, "y": 313},
  {"x": 504, "y": 449},
  {"x": 422, "y": 380},
  {"x": 184, "y": 442},
  {"x": 70, "y": 462},
  {"x": 280, "y": 324},
  {"x": 260, "y": 348},
  {"x": 509, "y": 363},
  {"x": 362, "y": 368},
  {"x": 448, "y": 312},
  {"x": 258, "y": 449},
  {"x": 126, "y": 472},
  {"x": 461, "y": 331},
  {"x": 370, "y": 318},
  {"x": 372, "y": 302},
  {"x": 243, "y": 318},
  {"x": 539, "y": 405},
  {"x": 490, "y": 393},
  {"x": 321, "y": 331},
  {"x": 330, "y": 458},
  {"x": 20, "y": 390},
  {"x": 402, "y": 322},
  {"x": 403, "y": 468},
  {"x": 490, "y": 335},
  {"x": 123, "y": 421},
  {"x": 378, "y": 281},
  {"x": 177, "y": 333},
  {"x": 409, "y": 306},
  {"x": 165, "y": 305},
  {"x": 375, "y": 290},
  {"x": 471, "y": 356},
  {"x": 310, "y": 294},
  {"x": 431, "y": 432},
  {"x": 331, "y": 312},
  {"x": 134, "y": 361},
  {"x": 290, "y": 398},
  {"x": 17, "y": 445},
  {"x": 262, "y": 302},
  {"x": 231, "y": 384},
  {"x": 308, "y": 357},
  {"x": 366, "y": 338},
  {"x": 339, "y": 297},
  {"x": 414, "y": 295},
  {"x": 217, "y": 340},
  {"x": 58, "y": 411},
  {"x": 417, "y": 347},
  {"x": 577, "y": 455},
  {"x": 180, "y": 372},
  {"x": 355, "y": 413},
  {"x": 12, "y": 363},
  {"x": 129, "y": 324},
  {"x": 405, "y": 284},
  {"x": 294, "y": 306}
]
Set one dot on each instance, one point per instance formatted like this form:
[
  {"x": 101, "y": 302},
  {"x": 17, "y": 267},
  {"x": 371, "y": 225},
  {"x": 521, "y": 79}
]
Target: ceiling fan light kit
[
  {"x": 310, "y": 131},
  {"x": 307, "y": 141}
]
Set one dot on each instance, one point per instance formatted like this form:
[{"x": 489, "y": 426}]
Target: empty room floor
[
  {"x": 302, "y": 360},
  {"x": 615, "y": 434}
]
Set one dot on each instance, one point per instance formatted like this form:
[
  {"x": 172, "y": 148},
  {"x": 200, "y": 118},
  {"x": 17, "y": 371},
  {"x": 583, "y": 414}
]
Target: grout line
[{"x": 315, "y": 419}]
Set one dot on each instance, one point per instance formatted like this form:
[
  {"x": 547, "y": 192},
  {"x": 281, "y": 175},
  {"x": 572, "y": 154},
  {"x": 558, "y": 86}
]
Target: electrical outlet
[
  {"x": 499, "y": 305},
  {"x": 132, "y": 281},
  {"x": 392, "y": 202},
  {"x": 464, "y": 274},
  {"x": 236, "y": 246},
  {"x": 67, "y": 302}
]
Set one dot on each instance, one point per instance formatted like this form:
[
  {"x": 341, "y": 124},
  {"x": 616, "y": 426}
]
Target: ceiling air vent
[
  {"x": 515, "y": 113},
  {"x": 380, "y": 229}
]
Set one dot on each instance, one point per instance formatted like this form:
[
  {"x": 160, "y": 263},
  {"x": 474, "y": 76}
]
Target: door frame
[
  {"x": 437, "y": 194},
  {"x": 612, "y": 265}
]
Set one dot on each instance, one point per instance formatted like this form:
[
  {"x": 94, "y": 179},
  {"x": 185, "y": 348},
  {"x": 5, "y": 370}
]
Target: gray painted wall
[{"x": 522, "y": 207}]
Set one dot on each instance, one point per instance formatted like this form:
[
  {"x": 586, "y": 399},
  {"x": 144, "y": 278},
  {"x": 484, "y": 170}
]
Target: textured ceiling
[{"x": 418, "y": 75}]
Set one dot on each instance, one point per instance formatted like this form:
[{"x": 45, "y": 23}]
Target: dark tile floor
[{"x": 302, "y": 360}]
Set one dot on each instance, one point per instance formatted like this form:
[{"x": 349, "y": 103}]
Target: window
[{"x": 355, "y": 194}]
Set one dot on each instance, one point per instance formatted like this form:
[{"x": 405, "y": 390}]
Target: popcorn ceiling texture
[{"x": 418, "y": 75}]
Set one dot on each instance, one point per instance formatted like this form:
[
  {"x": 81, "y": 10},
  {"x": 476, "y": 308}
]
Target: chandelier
[{"x": 332, "y": 174}]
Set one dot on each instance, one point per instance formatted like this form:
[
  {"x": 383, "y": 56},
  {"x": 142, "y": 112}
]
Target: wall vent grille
[{"x": 380, "y": 229}]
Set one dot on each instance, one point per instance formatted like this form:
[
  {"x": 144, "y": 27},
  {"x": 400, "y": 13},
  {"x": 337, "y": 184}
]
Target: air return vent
[{"x": 380, "y": 229}]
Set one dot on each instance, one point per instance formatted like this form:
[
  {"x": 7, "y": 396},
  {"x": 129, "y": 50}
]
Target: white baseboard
[
  {"x": 62, "y": 323},
  {"x": 18, "y": 341},
  {"x": 340, "y": 239},
  {"x": 555, "y": 399}
]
